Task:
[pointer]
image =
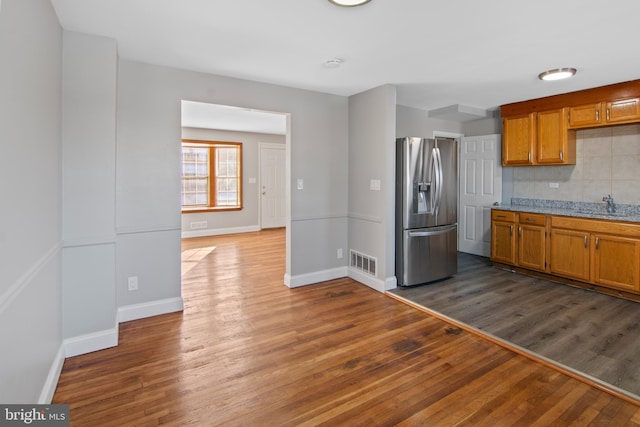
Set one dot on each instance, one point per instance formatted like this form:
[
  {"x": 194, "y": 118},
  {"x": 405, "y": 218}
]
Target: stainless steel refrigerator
[{"x": 426, "y": 210}]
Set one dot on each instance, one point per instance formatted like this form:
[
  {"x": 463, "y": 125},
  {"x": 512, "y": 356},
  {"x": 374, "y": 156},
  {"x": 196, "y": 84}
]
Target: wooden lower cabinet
[
  {"x": 598, "y": 252},
  {"x": 569, "y": 254},
  {"x": 519, "y": 239},
  {"x": 615, "y": 262},
  {"x": 503, "y": 242},
  {"x": 531, "y": 247}
]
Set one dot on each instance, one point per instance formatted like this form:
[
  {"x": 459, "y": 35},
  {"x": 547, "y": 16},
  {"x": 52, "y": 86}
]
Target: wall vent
[
  {"x": 196, "y": 225},
  {"x": 362, "y": 262}
]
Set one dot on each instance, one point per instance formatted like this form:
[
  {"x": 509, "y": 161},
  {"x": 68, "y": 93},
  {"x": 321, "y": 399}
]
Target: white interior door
[
  {"x": 480, "y": 187},
  {"x": 272, "y": 185}
]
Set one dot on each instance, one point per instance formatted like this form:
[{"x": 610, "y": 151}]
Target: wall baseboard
[
  {"x": 390, "y": 283},
  {"x": 91, "y": 342},
  {"x": 315, "y": 277},
  {"x": 50, "y": 384},
  {"x": 365, "y": 279},
  {"x": 219, "y": 231},
  {"x": 148, "y": 309}
]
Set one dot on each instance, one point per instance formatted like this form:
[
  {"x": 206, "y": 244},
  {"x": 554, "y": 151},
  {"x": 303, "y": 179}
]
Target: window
[{"x": 211, "y": 175}]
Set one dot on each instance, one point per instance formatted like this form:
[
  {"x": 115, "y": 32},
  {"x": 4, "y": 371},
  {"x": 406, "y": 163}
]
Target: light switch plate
[
  {"x": 374, "y": 185},
  {"x": 300, "y": 183}
]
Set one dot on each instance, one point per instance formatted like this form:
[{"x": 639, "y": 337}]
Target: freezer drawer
[{"x": 427, "y": 254}]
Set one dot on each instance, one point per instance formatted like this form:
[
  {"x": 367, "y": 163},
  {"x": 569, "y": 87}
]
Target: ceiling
[
  {"x": 225, "y": 117},
  {"x": 464, "y": 55}
]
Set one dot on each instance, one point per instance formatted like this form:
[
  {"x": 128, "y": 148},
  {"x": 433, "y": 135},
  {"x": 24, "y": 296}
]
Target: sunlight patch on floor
[{"x": 191, "y": 257}]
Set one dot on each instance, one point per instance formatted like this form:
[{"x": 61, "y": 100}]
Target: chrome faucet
[{"x": 611, "y": 207}]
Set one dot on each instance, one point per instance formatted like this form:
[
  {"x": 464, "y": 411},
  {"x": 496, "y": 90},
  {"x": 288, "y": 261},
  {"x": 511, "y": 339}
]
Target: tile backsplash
[{"x": 607, "y": 162}]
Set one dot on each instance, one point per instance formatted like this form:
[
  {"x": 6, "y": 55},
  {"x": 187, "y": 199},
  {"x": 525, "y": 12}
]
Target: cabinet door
[
  {"x": 518, "y": 140},
  {"x": 554, "y": 138},
  {"x": 616, "y": 262},
  {"x": 585, "y": 116},
  {"x": 531, "y": 247},
  {"x": 569, "y": 253},
  {"x": 625, "y": 110},
  {"x": 503, "y": 242}
]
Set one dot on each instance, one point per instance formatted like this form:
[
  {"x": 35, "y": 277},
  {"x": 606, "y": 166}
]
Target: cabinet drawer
[
  {"x": 497, "y": 215},
  {"x": 530, "y": 218},
  {"x": 596, "y": 226}
]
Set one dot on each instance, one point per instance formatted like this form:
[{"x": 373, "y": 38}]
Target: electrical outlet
[
  {"x": 339, "y": 253},
  {"x": 132, "y": 283},
  {"x": 554, "y": 185}
]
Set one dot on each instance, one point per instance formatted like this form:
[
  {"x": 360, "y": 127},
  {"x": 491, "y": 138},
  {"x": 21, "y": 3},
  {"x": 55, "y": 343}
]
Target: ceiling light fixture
[
  {"x": 333, "y": 63},
  {"x": 557, "y": 74},
  {"x": 349, "y": 3}
]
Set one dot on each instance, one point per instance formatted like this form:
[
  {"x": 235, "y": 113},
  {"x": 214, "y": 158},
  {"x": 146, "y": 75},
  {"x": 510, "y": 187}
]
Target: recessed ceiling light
[
  {"x": 557, "y": 74},
  {"x": 333, "y": 63},
  {"x": 349, "y": 3}
]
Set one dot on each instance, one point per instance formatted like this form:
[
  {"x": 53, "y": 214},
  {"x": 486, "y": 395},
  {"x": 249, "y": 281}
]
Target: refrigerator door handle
[
  {"x": 440, "y": 230},
  {"x": 439, "y": 178},
  {"x": 432, "y": 172}
]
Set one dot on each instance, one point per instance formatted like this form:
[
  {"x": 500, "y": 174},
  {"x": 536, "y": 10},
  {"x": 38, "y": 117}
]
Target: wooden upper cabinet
[
  {"x": 556, "y": 144},
  {"x": 538, "y": 139},
  {"x": 623, "y": 111},
  {"x": 586, "y": 116},
  {"x": 518, "y": 140},
  {"x": 541, "y": 131},
  {"x": 604, "y": 113}
]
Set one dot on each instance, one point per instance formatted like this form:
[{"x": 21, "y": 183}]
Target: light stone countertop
[{"x": 626, "y": 213}]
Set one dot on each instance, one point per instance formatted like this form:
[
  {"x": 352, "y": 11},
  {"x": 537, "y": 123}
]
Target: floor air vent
[{"x": 362, "y": 262}]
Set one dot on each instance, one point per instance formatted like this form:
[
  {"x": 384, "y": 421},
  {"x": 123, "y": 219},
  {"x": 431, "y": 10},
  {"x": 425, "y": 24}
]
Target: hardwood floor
[
  {"x": 249, "y": 351},
  {"x": 595, "y": 334}
]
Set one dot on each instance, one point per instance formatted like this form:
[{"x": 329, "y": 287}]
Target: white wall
[
  {"x": 30, "y": 218},
  {"x": 481, "y": 127},
  {"x": 416, "y": 122},
  {"x": 247, "y": 219},
  {"x": 148, "y": 219},
  {"x": 88, "y": 171},
  {"x": 372, "y": 127}
]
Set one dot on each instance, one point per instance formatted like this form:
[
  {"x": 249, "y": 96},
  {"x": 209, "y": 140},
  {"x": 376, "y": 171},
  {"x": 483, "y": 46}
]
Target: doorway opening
[{"x": 265, "y": 171}]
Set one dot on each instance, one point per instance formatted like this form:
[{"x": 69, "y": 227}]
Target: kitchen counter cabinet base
[{"x": 592, "y": 254}]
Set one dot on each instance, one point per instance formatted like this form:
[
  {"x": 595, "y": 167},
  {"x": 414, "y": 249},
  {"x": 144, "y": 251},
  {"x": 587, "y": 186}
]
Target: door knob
[{"x": 264, "y": 192}]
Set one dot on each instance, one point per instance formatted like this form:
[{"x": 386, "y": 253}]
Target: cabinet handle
[
  {"x": 608, "y": 115},
  {"x": 597, "y": 115},
  {"x": 597, "y": 239},
  {"x": 501, "y": 216},
  {"x": 561, "y": 156},
  {"x": 511, "y": 230},
  {"x": 585, "y": 241},
  {"x": 519, "y": 231}
]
